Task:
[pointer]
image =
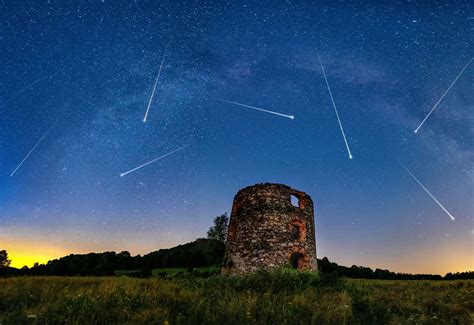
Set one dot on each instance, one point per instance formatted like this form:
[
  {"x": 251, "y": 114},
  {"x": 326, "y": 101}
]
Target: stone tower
[{"x": 271, "y": 225}]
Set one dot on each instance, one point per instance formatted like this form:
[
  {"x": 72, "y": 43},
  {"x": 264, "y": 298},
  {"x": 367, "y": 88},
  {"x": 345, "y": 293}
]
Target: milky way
[{"x": 385, "y": 65}]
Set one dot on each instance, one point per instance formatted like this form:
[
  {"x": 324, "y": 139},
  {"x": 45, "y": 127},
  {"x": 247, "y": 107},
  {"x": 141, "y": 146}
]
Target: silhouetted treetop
[{"x": 219, "y": 230}]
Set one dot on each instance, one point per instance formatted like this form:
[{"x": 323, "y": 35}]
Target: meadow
[
  {"x": 279, "y": 297},
  {"x": 171, "y": 271}
]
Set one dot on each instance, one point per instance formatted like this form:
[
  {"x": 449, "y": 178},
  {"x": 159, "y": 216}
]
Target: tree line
[
  {"x": 201, "y": 252},
  {"x": 362, "y": 272}
]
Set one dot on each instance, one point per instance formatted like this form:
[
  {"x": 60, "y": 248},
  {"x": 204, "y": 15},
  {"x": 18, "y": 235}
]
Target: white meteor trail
[
  {"x": 29, "y": 153},
  {"x": 444, "y": 94},
  {"x": 429, "y": 193},
  {"x": 335, "y": 109},
  {"x": 291, "y": 117},
  {"x": 152, "y": 161},
  {"x": 23, "y": 89},
  {"x": 154, "y": 88}
]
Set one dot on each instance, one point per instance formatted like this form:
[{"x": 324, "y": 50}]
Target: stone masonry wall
[{"x": 267, "y": 231}]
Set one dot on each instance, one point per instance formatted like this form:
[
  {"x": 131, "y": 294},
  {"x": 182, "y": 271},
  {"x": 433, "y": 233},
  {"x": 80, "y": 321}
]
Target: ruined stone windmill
[{"x": 271, "y": 225}]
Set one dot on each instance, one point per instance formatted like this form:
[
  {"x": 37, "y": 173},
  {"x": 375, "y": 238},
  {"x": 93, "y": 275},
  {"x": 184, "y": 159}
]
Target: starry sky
[{"x": 79, "y": 75}]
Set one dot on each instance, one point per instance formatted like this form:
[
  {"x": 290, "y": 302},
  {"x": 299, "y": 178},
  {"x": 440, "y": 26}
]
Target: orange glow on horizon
[
  {"x": 28, "y": 254},
  {"x": 27, "y": 250}
]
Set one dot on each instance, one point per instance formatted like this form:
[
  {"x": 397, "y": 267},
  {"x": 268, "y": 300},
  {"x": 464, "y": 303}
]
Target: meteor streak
[
  {"x": 335, "y": 109},
  {"x": 291, "y": 117},
  {"x": 29, "y": 153},
  {"x": 152, "y": 161},
  {"x": 429, "y": 193},
  {"x": 154, "y": 88},
  {"x": 25, "y": 88},
  {"x": 444, "y": 94}
]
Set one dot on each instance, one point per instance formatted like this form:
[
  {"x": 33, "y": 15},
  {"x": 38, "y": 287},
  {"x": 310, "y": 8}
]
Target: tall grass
[{"x": 280, "y": 297}]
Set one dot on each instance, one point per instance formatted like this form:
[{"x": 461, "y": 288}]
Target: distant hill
[{"x": 199, "y": 253}]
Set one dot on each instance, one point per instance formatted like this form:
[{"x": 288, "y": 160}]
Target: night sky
[{"x": 85, "y": 71}]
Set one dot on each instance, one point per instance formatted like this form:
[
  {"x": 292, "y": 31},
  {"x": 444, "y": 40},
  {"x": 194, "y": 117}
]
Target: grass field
[
  {"x": 172, "y": 271},
  {"x": 280, "y": 297},
  {"x": 176, "y": 270}
]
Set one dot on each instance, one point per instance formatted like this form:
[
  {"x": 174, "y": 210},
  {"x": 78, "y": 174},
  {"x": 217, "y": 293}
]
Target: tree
[
  {"x": 124, "y": 253},
  {"x": 219, "y": 230},
  {"x": 4, "y": 261}
]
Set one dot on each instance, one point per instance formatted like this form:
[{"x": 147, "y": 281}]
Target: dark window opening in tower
[
  {"x": 296, "y": 260},
  {"x": 297, "y": 229},
  {"x": 295, "y": 232},
  {"x": 295, "y": 201}
]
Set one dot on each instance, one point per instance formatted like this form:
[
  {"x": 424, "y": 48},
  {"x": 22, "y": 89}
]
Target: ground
[{"x": 281, "y": 297}]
